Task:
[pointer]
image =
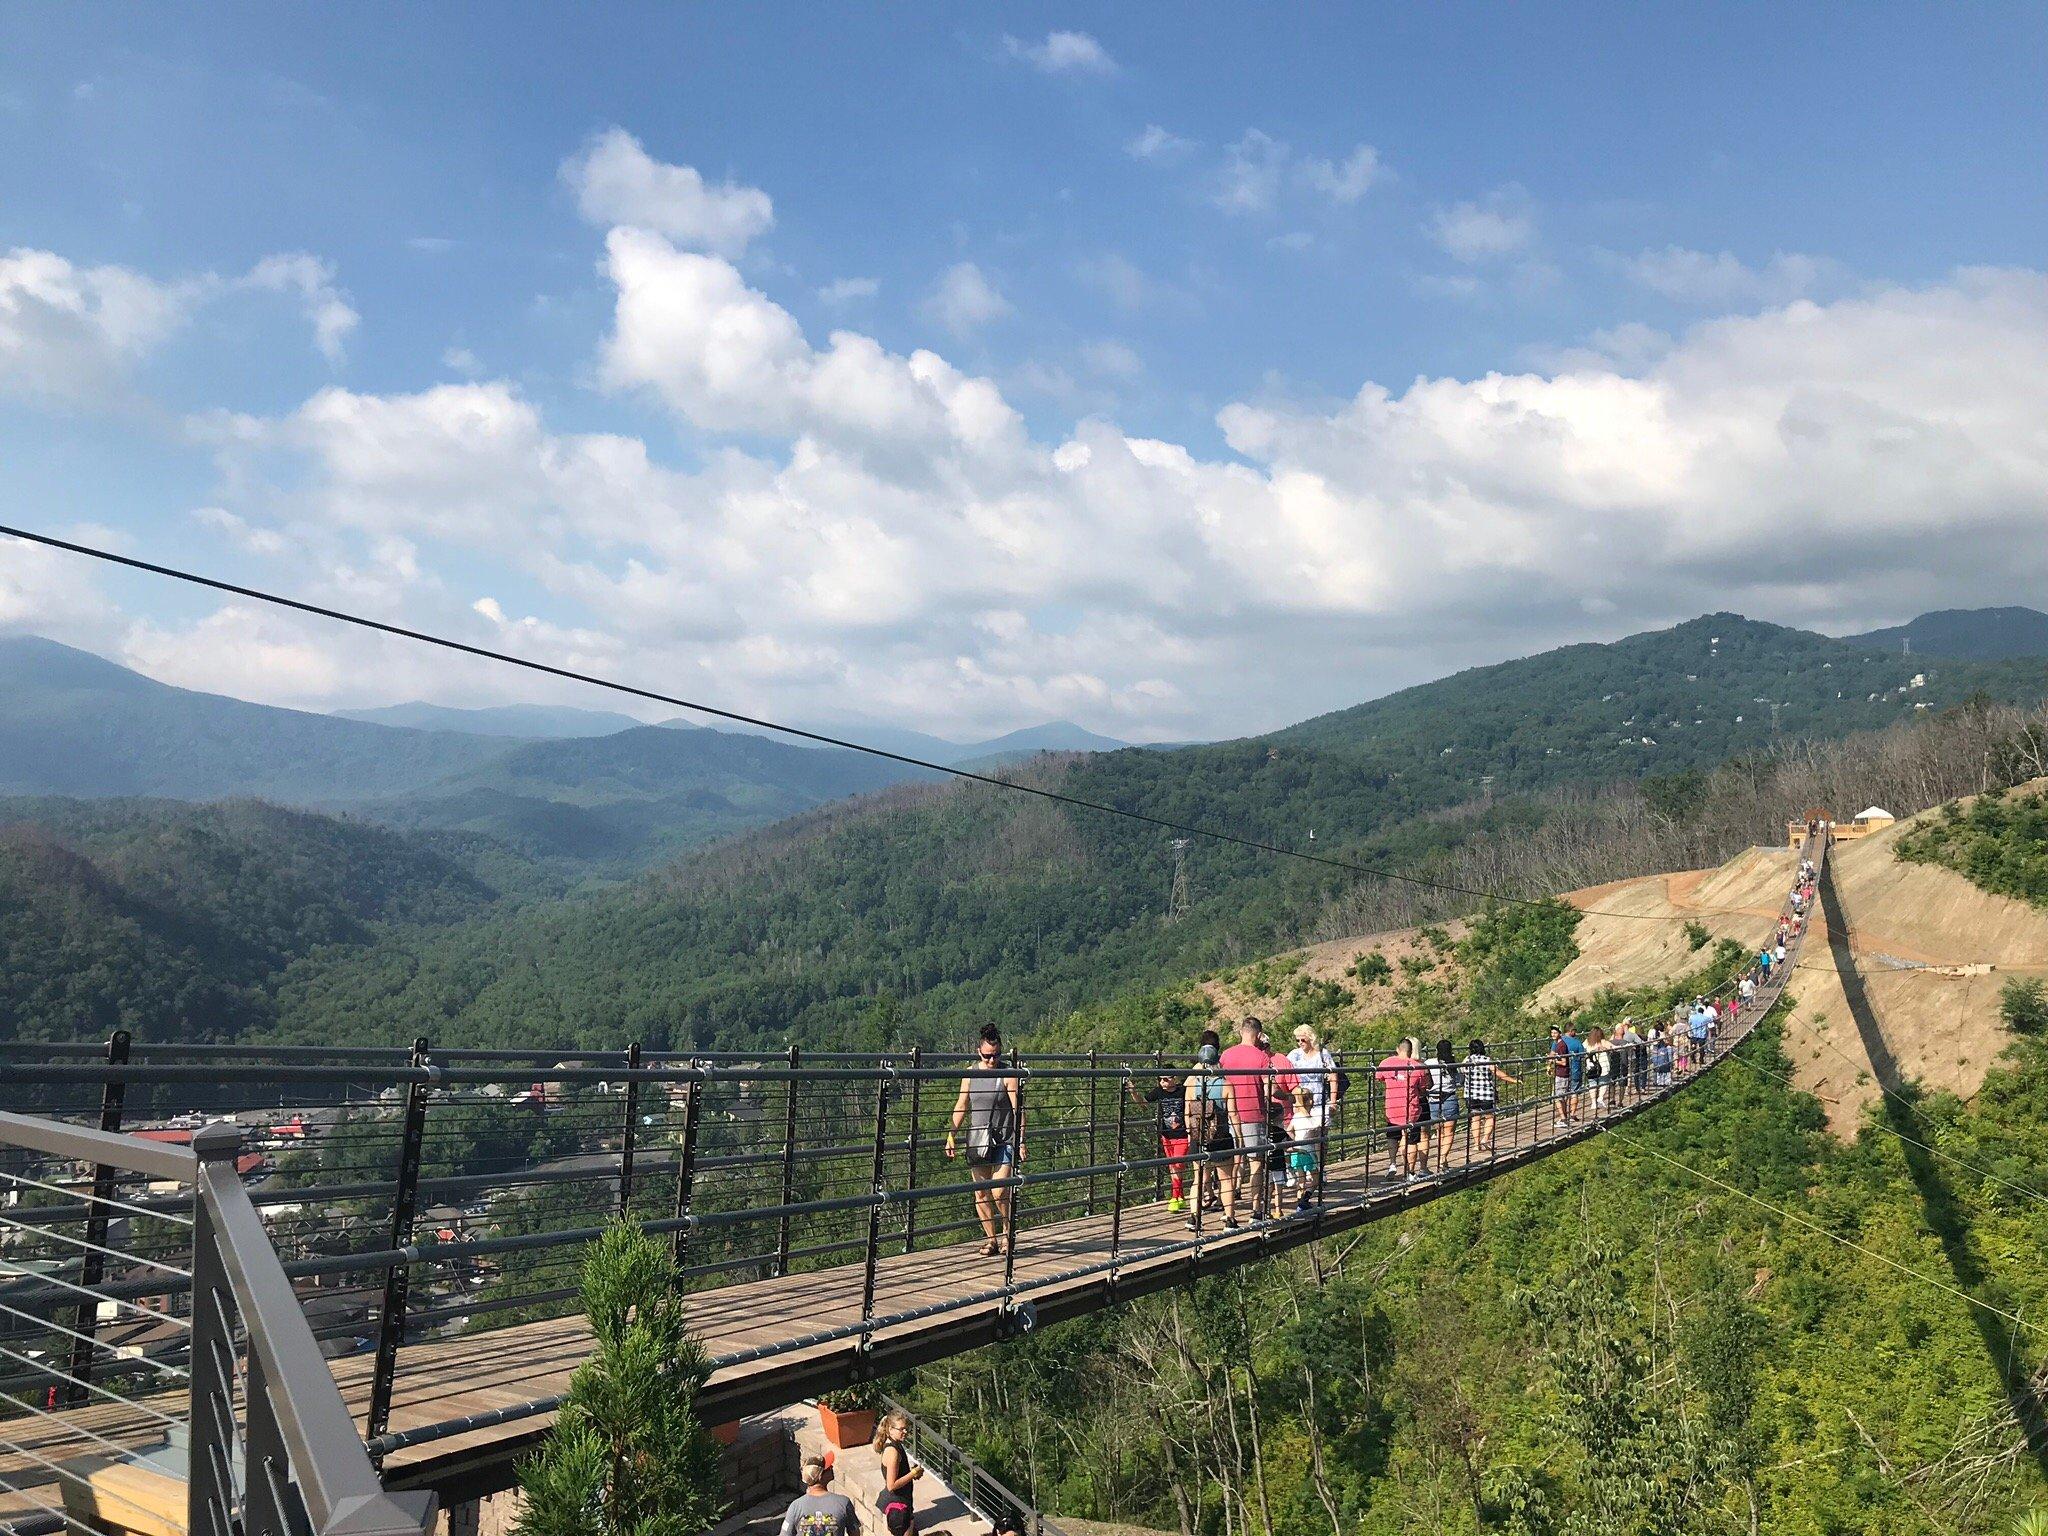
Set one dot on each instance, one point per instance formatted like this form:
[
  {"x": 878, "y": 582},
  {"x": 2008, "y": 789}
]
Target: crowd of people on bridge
[{"x": 1245, "y": 1131}]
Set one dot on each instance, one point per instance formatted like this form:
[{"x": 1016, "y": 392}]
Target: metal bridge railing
[
  {"x": 160, "y": 1372},
  {"x": 978, "y": 1488}
]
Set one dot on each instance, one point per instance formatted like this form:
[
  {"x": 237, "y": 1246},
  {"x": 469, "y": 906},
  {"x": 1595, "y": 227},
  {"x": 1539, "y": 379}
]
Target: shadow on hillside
[{"x": 1943, "y": 1216}]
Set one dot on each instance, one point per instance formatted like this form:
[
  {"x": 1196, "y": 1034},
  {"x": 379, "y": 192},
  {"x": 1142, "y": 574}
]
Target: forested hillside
[
  {"x": 1632, "y": 1336},
  {"x": 1982, "y": 634},
  {"x": 1690, "y": 696},
  {"x": 175, "y": 920}
]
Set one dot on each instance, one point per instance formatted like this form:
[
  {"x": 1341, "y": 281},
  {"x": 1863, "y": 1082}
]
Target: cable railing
[
  {"x": 978, "y": 1488},
  {"x": 160, "y": 1371},
  {"x": 412, "y": 1198}
]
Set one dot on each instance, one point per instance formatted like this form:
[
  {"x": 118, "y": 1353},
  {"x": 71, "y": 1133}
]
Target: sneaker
[{"x": 1176, "y": 1205}]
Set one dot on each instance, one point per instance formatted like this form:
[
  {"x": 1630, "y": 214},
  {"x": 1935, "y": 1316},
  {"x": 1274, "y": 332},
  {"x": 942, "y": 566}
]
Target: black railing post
[
  {"x": 1016, "y": 1190},
  {"x": 788, "y": 1166},
  {"x": 113, "y": 1096},
  {"x": 910, "y": 1169},
  {"x": 210, "y": 1487},
  {"x": 1094, "y": 1060},
  {"x": 404, "y": 1218},
  {"x": 1162, "y": 1173},
  {"x": 686, "y": 1162},
  {"x": 629, "y": 1140},
  {"x": 1116, "y": 1210},
  {"x": 877, "y": 1189}
]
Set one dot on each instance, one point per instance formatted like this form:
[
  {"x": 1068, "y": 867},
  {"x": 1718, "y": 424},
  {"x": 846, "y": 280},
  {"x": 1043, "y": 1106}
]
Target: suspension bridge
[{"x": 315, "y": 1290}]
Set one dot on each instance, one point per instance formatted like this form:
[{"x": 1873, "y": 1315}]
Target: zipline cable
[{"x": 463, "y": 647}]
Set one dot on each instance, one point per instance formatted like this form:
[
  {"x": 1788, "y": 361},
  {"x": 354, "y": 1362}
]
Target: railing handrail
[{"x": 290, "y": 1385}]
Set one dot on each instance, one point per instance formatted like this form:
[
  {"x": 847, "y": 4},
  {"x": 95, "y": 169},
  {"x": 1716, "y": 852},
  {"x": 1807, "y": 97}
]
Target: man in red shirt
[
  {"x": 1248, "y": 1070},
  {"x": 1402, "y": 1077}
]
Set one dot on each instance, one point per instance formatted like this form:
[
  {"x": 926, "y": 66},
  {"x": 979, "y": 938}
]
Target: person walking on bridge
[
  {"x": 1248, "y": 1073},
  {"x": 1168, "y": 1101},
  {"x": 1482, "y": 1076},
  {"x": 1403, "y": 1082},
  {"x": 1207, "y": 1101},
  {"x": 991, "y": 1109}
]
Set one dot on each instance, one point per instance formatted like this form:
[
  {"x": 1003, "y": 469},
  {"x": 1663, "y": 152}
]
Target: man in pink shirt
[
  {"x": 1247, "y": 1069},
  {"x": 1402, "y": 1076}
]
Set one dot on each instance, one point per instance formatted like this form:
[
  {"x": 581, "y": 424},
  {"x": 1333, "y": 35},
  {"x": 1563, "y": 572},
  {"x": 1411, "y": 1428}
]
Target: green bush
[{"x": 2024, "y": 1002}]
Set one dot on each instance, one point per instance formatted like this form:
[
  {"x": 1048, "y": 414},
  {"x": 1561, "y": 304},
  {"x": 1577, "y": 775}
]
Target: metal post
[
  {"x": 398, "y": 1278},
  {"x": 113, "y": 1096},
  {"x": 629, "y": 1140},
  {"x": 1161, "y": 1173},
  {"x": 686, "y": 1164},
  {"x": 877, "y": 1187},
  {"x": 788, "y": 1166},
  {"x": 1116, "y": 1210},
  {"x": 1093, "y": 1062},
  {"x": 266, "y": 1470},
  {"x": 1016, "y": 1190},
  {"x": 910, "y": 1170},
  {"x": 210, "y": 1488}
]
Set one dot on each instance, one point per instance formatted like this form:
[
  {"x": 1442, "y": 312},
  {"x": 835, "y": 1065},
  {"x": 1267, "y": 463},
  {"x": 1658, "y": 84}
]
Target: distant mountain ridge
[
  {"x": 1966, "y": 634},
  {"x": 531, "y": 721}
]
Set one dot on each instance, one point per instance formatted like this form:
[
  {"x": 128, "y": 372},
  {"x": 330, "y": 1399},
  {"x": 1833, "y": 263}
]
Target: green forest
[{"x": 1714, "y": 1319}]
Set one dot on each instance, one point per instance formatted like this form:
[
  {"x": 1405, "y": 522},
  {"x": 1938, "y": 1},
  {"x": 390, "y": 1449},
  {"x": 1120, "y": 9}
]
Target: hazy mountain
[
  {"x": 625, "y": 799},
  {"x": 76, "y": 724},
  {"x": 534, "y": 722},
  {"x": 1976, "y": 634},
  {"x": 1051, "y": 736}
]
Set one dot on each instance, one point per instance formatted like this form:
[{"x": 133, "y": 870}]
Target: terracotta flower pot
[
  {"x": 856, "y": 1426},
  {"x": 726, "y": 1434}
]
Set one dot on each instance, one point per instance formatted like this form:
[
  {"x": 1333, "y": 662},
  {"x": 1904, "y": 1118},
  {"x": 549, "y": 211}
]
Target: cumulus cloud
[
  {"x": 886, "y": 527},
  {"x": 45, "y": 591},
  {"x": 617, "y": 182},
  {"x": 311, "y": 280},
  {"x": 1708, "y": 279},
  {"x": 73, "y": 332},
  {"x": 1112, "y": 359},
  {"x": 964, "y": 299},
  {"x": 1063, "y": 53},
  {"x": 1500, "y": 224}
]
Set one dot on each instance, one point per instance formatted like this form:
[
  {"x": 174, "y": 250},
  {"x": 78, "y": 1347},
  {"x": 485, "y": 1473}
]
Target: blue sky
[{"x": 305, "y": 278}]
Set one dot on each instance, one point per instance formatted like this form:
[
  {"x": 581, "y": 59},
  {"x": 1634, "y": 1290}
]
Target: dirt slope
[{"x": 1930, "y": 951}]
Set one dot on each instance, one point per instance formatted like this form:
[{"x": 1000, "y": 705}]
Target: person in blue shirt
[
  {"x": 1577, "y": 1062},
  {"x": 1763, "y": 963},
  {"x": 1699, "y": 1026}
]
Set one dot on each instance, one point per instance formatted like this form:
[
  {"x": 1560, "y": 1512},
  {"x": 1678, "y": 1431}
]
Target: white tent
[{"x": 1875, "y": 813}]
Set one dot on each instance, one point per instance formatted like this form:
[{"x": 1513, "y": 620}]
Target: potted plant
[{"x": 848, "y": 1414}]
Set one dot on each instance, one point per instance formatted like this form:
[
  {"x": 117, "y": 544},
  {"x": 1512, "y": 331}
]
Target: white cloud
[
  {"x": 1119, "y": 279},
  {"x": 965, "y": 300},
  {"x": 312, "y": 280},
  {"x": 1063, "y": 53},
  {"x": 463, "y": 361},
  {"x": 1342, "y": 182},
  {"x": 1707, "y": 280},
  {"x": 1295, "y": 240},
  {"x": 885, "y": 528},
  {"x": 1258, "y": 166},
  {"x": 617, "y": 182},
  {"x": 1500, "y": 224},
  {"x": 1249, "y": 181},
  {"x": 1158, "y": 145},
  {"x": 1112, "y": 359},
  {"x": 45, "y": 591},
  {"x": 845, "y": 290},
  {"x": 75, "y": 332}
]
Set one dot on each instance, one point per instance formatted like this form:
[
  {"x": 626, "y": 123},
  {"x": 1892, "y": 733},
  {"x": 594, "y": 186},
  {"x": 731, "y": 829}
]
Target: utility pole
[{"x": 1177, "y": 897}]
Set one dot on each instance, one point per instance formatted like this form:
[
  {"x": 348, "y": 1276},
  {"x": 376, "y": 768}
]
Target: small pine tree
[{"x": 627, "y": 1455}]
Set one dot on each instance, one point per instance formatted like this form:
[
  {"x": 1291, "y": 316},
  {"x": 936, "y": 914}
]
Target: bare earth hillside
[{"x": 1929, "y": 951}]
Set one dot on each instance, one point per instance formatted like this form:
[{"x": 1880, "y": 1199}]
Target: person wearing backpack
[
  {"x": 991, "y": 1108},
  {"x": 1207, "y": 1098}
]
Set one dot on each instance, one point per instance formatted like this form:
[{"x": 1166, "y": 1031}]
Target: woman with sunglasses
[{"x": 991, "y": 1108}]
